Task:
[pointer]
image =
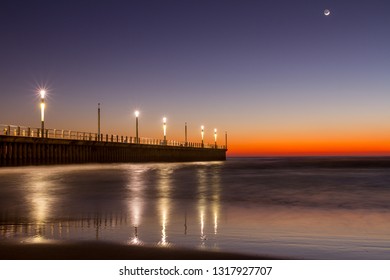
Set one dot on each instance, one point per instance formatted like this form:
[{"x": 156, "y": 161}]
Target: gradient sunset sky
[{"x": 278, "y": 75}]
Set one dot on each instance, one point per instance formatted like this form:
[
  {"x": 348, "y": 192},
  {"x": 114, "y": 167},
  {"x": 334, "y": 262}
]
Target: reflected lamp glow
[
  {"x": 40, "y": 199},
  {"x": 136, "y": 202},
  {"x": 135, "y": 240},
  {"x": 164, "y": 203},
  {"x": 215, "y": 223},
  {"x": 163, "y": 241},
  {"x": 216, "y": 188},
  {"x": 202, "y": 235},
  {"x": 164, "y": 220}
]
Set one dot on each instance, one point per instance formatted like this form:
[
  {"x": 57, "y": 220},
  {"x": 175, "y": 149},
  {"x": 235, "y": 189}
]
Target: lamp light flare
[
  {"x": 42, "y": 92},
  {"x": 136, "y": 113}
]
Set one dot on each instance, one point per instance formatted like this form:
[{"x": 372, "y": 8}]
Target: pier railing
[{"x": 24, "y": 131}]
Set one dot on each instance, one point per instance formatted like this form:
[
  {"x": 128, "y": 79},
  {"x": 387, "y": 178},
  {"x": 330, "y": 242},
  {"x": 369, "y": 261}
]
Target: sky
[{"x": 278, "y": 76}]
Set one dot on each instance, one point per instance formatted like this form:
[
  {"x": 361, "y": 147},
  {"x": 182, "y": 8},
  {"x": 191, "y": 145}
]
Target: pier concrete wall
[{"x": 18, "y": 151}]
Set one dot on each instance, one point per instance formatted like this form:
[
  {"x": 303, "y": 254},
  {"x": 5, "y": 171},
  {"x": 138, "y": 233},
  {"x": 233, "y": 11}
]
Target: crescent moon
[{"x": 327, "y": 12}]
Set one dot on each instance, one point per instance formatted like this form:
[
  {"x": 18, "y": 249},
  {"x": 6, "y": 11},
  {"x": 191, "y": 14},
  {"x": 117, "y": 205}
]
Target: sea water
[{"x": 304, "y": 208}]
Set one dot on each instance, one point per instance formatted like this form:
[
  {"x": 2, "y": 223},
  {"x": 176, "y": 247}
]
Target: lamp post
[
  {"x": 226, "y": 140},
  {"x": 185, "y": 134},
  {"x": 42, "y": 93},
  {"x": 98, "y": 138},
  {"x": 136, "y": 113},
  {"x": 215, "y": 137},
  {"x": 202, "y": 133},
  {"x": 165, "y": 129}
]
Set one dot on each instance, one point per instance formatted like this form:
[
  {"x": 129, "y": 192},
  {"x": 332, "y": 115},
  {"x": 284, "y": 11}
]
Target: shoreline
[{"x": 93, "y": 250}]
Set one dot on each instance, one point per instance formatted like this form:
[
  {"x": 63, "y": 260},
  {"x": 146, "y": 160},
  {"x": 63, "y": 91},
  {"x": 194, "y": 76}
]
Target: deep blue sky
[{"x": 266, "y": 71}]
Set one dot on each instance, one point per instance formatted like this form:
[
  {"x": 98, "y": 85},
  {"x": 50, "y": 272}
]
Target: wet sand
[{"x": 111, "y": 251}]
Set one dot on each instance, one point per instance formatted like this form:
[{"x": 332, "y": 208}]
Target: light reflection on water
[
  {"x": 212, "y": 206},
  {"x": 163, "y": 207},
  {"x": 136, "y": 200},
  {"x": 40, "y": 199}
]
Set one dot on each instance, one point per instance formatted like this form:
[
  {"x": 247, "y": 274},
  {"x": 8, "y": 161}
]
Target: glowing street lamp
[
  {"x": 215, "y": 137},
  {"x": 136, "y": 113},
  {"x": 202, "y": 133},
  {"x": 165, "y": 129},
  {"x": 42, "y": 93}
]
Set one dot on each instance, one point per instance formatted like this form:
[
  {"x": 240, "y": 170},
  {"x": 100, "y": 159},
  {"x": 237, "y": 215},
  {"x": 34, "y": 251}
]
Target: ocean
[{"x": 300, "y": 208}]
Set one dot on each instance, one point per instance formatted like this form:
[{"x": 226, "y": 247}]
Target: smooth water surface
[{"x": 284, "y": 207}]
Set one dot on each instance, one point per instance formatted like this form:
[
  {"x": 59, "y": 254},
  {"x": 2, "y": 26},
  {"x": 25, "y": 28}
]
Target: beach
[
  {"x": 112, "y": 251},
  {"x": 262, "y": 208}
]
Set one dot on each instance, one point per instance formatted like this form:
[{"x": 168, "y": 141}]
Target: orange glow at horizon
[{"x": 311, "y": 147}]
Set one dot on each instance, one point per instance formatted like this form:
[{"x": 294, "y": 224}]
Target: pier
[{"x": 34, "y": 146}]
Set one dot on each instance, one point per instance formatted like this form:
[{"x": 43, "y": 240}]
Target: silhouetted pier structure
[{"x": 27, "y": 146}]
